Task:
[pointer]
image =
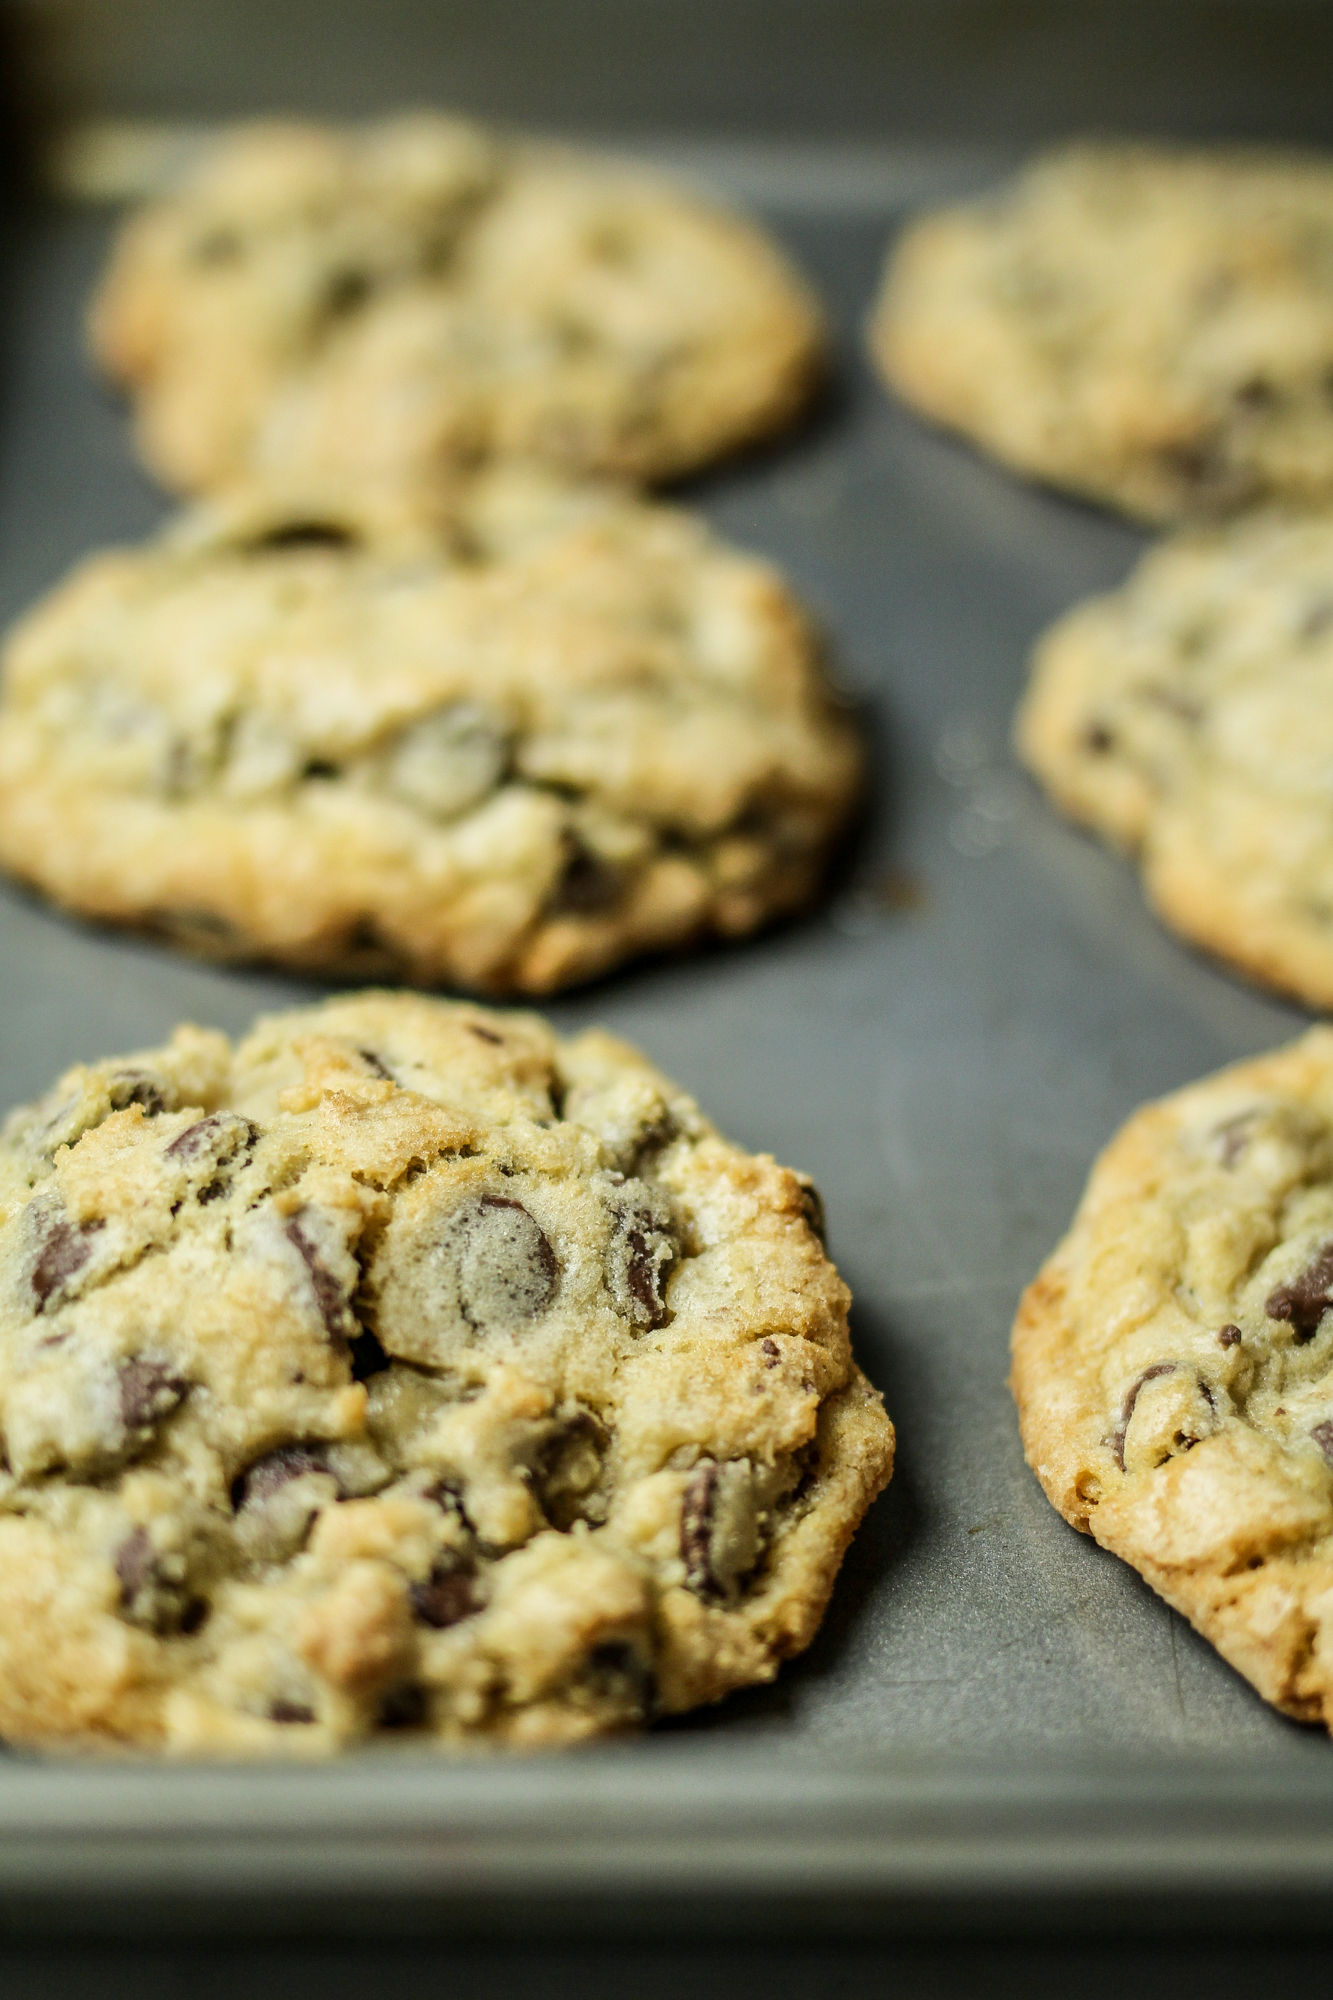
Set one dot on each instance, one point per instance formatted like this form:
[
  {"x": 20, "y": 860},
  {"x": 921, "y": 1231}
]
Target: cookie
[
  {"x": 1149, "y": 326},
  {"x": 503, "y": 744},
  {"x": 1173, "y": 1364},
  {"x": 407, "y": 1369},
  {"x": 399, "y": 296},
  {"x": 1188, "y": 717}
]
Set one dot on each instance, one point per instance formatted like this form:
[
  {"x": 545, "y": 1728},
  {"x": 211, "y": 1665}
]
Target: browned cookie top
[
  {"x": 503, "y": 740},
  {"x": 409, "y": 1369}
]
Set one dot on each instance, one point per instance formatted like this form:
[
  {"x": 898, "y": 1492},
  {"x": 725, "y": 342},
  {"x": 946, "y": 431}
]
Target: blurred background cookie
[
  {"x": 1148, "y": 325},
  {"x": 408, "y": 294},
  {"x": 1188, "y": 717}
]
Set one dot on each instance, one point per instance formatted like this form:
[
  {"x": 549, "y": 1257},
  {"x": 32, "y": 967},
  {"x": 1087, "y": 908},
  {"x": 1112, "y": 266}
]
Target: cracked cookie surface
[
  {"x": 1188, "y": 717},
  {"x": 402, "y": 295},
  {"x": 407, "y": 1369},
  {"x": 504, "y": 741},
  {"x": 1173, "y": 1364},
  {"x": 1150, "y": 327}
]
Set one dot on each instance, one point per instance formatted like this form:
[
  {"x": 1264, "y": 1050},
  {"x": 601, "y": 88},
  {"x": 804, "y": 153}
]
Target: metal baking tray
[{"x": 998, "y": 1724}]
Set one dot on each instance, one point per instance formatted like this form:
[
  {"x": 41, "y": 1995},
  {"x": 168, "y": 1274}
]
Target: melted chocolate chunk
[
  {"x": 290, "y": 1711},
  {"x": 375, "y": 1066},
  {"x": 302, "y": 535},
  {"x": 448, "y": 1596},
  {"x": 1304, "y": 1300},
  {"x": 136, "y": 1560},
  {"x": 588, "y": 883},
  {"x": 507, "y": 1269},
  {"x": 771, "y": 1352},
  {"x": 1255, "y": 393},
  {"x": 1230, "y": 1336},
  {"x": 133, "y": 1087},
  {"x": 148, "y": 1392},
  {"x": 1323, "y": 1437},
  {"x": 223, "y": 1135},
  {"x": 346, "y": 292},
  {"x": 568, "y": 1471},
  {"x": 644, "y": 1276},
  {"x": 368, "y": 1357},
  {"x": 152, "y": 1587},
  {"x": 328, "y": 1292},
  {"x": 1148, "y": 1375},
  {"x": 617, "y": 1672},
  {"x": 275, "y": 1469},
  {"x": 696, "y": 1530},
  {"x": 403, "y": 1707},
  {"x": 65, "y": 1251},
  {"x": 812, "y": 1207}
]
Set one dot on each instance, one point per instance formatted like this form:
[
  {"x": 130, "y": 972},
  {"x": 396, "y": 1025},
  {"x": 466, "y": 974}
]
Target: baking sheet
[{"x": 998, "y": 1719}]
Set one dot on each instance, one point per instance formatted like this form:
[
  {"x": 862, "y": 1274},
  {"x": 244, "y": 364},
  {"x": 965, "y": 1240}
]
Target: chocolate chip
[
  {"x": 132, "y": 1087},
  {"x": 644, "y": 1276},
  {"x": 587, "y": 884},
  {"x": 567, "y": 1473},
  {"x": 375, "y": 1066},
  {"x": 136, "y": 1559},
  {"x": 148, "y": 1392},
  {"x": 1118, "y": 1435},
  {"x": 223, "y": 1135},
  {"x": 329, "y": 1297},
  {"x": 812, "y": 1207},
  {"x": 403, "y": 1707},
  {"x": 1323, "y": 1437},
  {"x": 290, "y": 1711},
  {"x": 1304, "y": 1300},
  {"x": 1230, "y": 1336},
  {"x": 1197, "y": 464},
  {"x": 1098, "y": 739},
  {"x": 696, "y": 1529},
  {"x": 193, "y": 1615},
  {"x": 274, "y": 1470},
  {"x": 507, "y": 1268},
  {"x": 65, "y": 1250},
  {"x": 367, "y": 1356},
  {"x": 484, "y": 1034},
  {"x": 310, "y": 534},
  {"x": 448, "y": 1596},
  {"x": 346, "y": 292},
  {"x": 617, "y": 1672},
  {"x": 1255, "y": 393},
  {"x": 771, "y": 1351}
]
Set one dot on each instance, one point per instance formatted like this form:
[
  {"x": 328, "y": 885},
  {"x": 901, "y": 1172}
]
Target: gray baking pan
[{"x": 998, "y": 1722}]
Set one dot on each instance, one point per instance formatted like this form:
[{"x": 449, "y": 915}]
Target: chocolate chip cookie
[
  {"x": 1149, "y": 326},
  {"x": 503, "y": 743},
  {"x": 407, "y": 294},
  {"x": 407, "y": 1369},
  {"x": 1188, "y": 717},
  {"x": 1173, "y": 1364}
]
